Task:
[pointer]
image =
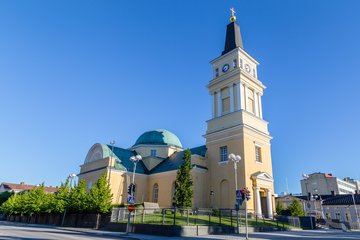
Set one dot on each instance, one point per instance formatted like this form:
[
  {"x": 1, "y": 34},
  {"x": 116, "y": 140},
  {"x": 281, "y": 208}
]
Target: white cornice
[{"x": 232, "y": 51}]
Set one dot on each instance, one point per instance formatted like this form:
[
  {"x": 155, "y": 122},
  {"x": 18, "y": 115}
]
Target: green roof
[{"x": 159, "y": 137}]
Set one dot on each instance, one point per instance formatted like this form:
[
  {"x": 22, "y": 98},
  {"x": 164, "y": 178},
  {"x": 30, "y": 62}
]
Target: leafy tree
[
  {"x": 60, "y": 200},
  {"x": 4, "y": 196},
  {"x": 8, "y": 207},
  {"x": 78, "y": 198},
  {"x": 100, "y": 196},
  {"x": 295, "y": 208},
  {"x": 35, "y": 200},
  {"x": 183, "y": 184},
  {"x": 279, "y": 208}
]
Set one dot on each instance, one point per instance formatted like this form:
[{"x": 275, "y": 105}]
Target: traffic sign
[
  {"x": 131, "y": 199},
  {"x": 131, "y": 207}
]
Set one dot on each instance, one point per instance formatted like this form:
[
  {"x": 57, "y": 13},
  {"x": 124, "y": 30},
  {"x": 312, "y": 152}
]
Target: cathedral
[{"x": 235, "y": 126}]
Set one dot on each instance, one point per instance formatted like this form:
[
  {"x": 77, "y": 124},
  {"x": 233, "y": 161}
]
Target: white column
[
  {"x": 213, "y": 105},
  {"x": 260, "y": 107},
  {"x": 241, "y": 94},
  {"x": 219, "y": 103},
  {"x": 258, "y": 211},
  {"x": 231, "y": 92},
  {"x": 246, "y": 97},
  {"x": 269, "y": 203},
  {"x": 256, "y": 103}
]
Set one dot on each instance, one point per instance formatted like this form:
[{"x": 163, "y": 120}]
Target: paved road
[{"x": 15, "y": 231}]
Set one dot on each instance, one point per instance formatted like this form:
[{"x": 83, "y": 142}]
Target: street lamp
[
  {"x": 236, "y": 159},
  {"x": 305, "y": 178},
  {"x": 134, "y": 160},
  {"x": 71, "y": 178},
  {"x": 112, "y": 143}
]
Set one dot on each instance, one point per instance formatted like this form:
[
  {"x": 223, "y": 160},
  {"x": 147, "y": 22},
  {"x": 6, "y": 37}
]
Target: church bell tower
[{"x": 237, "y": 126}]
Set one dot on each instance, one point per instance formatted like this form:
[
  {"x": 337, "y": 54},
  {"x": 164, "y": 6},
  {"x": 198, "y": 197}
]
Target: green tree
[
  {"x": 78, "y": 198},
  {"x": 60, "y": 200},
  {"x": 35, "y": 200},
  {"x": 279, "y": 208},
  {"x": 4, "y": 196},
  {"x": 100, "y": 196},
  {"x": 296, "y": 208},
  {"x": 184, "y": 185}
]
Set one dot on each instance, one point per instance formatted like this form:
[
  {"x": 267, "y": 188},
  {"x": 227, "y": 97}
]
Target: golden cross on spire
[
  {"x": 233, "y": 17},
  {"x": 232, "y": 12}
]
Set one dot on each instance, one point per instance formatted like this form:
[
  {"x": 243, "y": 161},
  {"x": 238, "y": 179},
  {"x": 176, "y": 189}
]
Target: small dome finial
[{"x": 233, "y": 17}]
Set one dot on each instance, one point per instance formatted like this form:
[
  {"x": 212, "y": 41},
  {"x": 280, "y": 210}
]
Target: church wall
[
  {"x": 220, "y": 172},
  {"x": 165, "y": 182},
  {"x": 201, "y": 188},
  {"x": 251, "y": 140}
]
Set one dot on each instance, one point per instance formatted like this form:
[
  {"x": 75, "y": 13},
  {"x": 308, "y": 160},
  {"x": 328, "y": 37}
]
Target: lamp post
[
  {"x": 236, "y": 159},
  {"x": 356, "y": 212},
  {"x": 134, "y": 160},
  {"x": 112, "y": 143},
  {"x": 69, "y": 179},
  {"x": 305, "y": 178}
]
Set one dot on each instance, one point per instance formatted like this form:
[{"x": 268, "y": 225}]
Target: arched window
[
  {"x": 156, "y": 193},
  {"x": 173, "y": 190}
]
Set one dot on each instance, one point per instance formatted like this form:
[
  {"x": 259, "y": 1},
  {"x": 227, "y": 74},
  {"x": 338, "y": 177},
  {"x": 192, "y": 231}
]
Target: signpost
[{"x": 131, "y": 207}]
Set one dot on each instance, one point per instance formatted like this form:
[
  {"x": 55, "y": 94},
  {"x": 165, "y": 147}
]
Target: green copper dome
[{"x": 159, "y": 137}]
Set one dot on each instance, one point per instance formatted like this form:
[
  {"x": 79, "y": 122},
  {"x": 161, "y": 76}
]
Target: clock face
[
  {"x": 247, "y": 68},
  {"x": 225, "y": 68}
]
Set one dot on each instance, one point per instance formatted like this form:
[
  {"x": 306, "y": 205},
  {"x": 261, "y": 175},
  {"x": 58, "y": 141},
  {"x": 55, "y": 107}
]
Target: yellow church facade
[{"x": 236, "y": 126}]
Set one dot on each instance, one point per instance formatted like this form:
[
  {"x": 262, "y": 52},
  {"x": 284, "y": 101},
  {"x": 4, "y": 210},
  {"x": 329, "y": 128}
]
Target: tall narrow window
[
  {"x": 250, "y": 101},
  {"x": 225, "y": 97},
  {"x": 153, "y": 152},
  {"x": 241, "y": 63},
  {"x": 216, "y": 72},
  {"x": 258, "y": 154},
  {"x": 156, "y": 193},
  {"x": 223, "y": 154},
  {"x": 235, "y": 63}
]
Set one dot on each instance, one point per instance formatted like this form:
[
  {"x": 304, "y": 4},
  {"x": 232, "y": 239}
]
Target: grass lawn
[{"x": 192, "y": 220}]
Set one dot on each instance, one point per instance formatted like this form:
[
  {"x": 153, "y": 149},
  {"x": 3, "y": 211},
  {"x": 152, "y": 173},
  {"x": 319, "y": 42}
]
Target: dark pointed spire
[{"x": 233, "y": 35}]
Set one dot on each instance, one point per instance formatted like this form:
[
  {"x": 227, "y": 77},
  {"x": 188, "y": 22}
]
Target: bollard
[{"x": 163, "y": 216}]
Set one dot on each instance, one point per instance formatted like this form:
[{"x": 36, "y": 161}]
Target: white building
[{"x": 326, "y": 184}]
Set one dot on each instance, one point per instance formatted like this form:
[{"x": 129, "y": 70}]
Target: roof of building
[
  {"x": 171, "y": 163},
  {"x": 343, "y": 199},
  {"x": 175, "y": 160},
  {"x": 18, "y": 187},
  {"x": 158, "y": 137},
  {"x": 233, "y": 37}
]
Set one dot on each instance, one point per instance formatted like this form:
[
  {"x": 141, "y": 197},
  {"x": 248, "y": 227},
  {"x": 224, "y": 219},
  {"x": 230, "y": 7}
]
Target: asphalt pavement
[{"x": 12, "y": 231}]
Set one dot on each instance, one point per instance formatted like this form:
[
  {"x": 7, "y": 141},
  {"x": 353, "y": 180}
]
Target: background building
[
  {"x": 19, "y": 187},
  {"x": 236, "y": 126},
  {"x": 326, "y": 184}
]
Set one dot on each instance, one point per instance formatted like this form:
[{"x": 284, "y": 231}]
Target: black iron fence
[{"x": 196, "y": 217}]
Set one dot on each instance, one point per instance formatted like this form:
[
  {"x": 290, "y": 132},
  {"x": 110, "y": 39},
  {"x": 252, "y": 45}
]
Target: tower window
[
  {"x": 153, "y": 152},
  {"x": 225, "y": 97},
  {"x": 156, "y": 193},
  {"x": 254, "y": 73},
  {"x": 223, "y": 154},
  {"x": 258, "y": 154},
  {"x": 250, "y": 101},
  {"x": 216, "y": 72},
  {"x": 241, "y": 63},
  {"x": 235, "y": 63}
]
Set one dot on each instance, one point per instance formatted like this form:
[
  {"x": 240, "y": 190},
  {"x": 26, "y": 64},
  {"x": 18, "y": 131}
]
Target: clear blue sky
[{"x": 73, "y": 73}]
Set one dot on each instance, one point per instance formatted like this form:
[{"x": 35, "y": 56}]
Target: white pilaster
[
  {"x": 231, "y": 92},
  {"x": 246, "y": 97},
  {"x": 260, "y": 107},
  {"x": 269, "y": 203},
  {"x": 256, "y": 103},
  {"x": 241, "y": 94},
  {"x": 257, "y": 202},
  {"x": 219, "y": 103},
  {"x": 213, "y": 105}
]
